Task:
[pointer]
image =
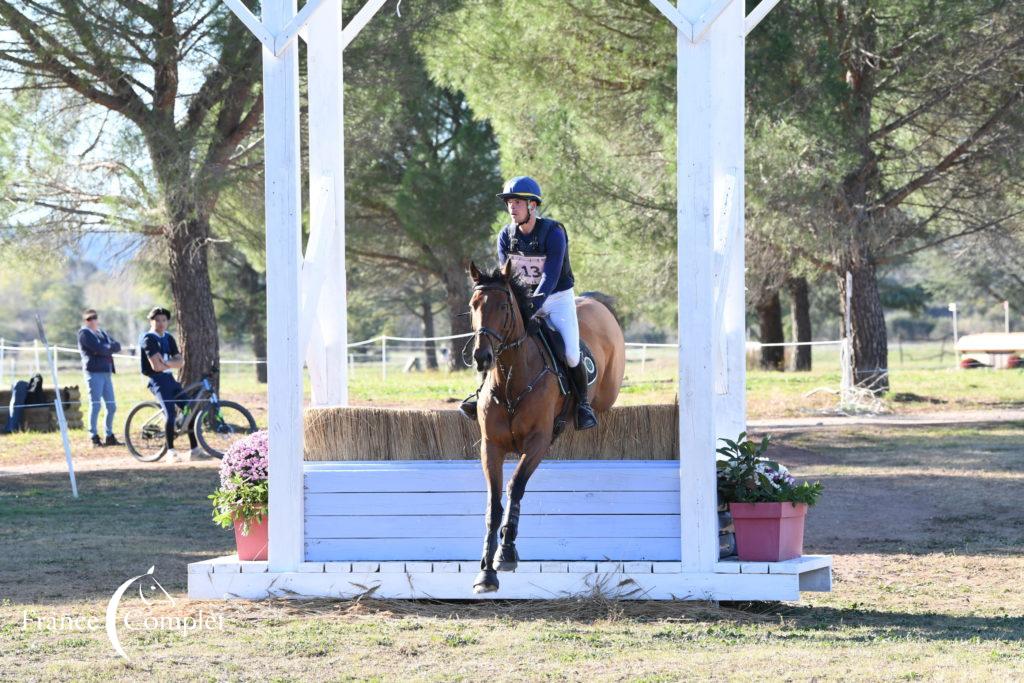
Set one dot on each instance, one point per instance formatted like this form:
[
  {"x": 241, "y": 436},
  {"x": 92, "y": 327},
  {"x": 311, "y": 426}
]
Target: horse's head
[{"x": 495, "y": 310}]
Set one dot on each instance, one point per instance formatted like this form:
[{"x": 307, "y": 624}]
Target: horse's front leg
[
  {"x": 492, "y": 458},
  {"x": 536, "y": 447}
]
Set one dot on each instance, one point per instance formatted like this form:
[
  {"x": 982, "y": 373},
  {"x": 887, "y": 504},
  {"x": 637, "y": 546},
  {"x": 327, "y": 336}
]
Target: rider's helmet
[{"x": 521, "y": 187}]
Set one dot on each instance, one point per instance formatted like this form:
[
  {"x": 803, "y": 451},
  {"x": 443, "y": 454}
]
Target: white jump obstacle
[{"x": 637, "y": 529}]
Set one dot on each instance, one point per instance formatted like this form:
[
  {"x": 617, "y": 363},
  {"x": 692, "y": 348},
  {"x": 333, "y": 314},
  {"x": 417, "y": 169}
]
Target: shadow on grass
[
  {"x": 866, "y": 625},
  {"x": 989, "y": 447},
  {"x": 56, "y": 548}
]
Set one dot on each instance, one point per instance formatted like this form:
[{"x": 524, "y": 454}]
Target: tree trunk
[
  {"x": 428, "y": 331},
  {"x": 799, "y": 292},
  {"x": 769, "y": 315},
  {"x": 259, "y": 347},
  {"x": 867, "y": 320},
  {"x": 187, "y": 244},
  {"x": 456, "y": 287}
]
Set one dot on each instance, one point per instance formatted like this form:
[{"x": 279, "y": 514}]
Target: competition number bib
[{"x": 529, "y": 268}]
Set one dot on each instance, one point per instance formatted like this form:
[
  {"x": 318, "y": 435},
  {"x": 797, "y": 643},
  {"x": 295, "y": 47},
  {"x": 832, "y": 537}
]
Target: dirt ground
[{"x": 923, "y": 522}]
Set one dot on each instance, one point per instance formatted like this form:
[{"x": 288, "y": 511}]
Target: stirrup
[
  {"x": 585, "y": 417},
  {"x": 468, "y": 407}
]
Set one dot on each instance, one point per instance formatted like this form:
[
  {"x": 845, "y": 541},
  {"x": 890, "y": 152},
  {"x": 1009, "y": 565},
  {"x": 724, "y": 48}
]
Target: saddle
[{"x": 554, "y": 346}]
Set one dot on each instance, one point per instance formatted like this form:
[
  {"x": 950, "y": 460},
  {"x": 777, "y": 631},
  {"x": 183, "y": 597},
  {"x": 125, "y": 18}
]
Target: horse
[{"x": 520, "y": 399}]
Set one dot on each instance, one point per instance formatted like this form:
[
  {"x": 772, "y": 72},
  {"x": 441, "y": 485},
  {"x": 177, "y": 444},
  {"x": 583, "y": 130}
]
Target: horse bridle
[
  {"x": 503, "y": 346},
  {"x": 511, "y": 405}
]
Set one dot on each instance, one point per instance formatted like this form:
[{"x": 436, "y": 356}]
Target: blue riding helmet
[{"x": 521, "y": 187}]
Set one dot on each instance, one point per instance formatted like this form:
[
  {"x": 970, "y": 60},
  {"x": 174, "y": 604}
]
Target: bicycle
[{"x": 215, "y": 423}]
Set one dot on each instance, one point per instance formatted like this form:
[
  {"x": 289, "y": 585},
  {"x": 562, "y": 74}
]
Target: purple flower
[{"x": 248, "y": 458}]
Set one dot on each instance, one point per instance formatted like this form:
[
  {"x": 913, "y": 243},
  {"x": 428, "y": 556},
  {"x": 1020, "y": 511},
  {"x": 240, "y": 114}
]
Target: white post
[
  {"x": 703, "y": 91},
  {"x": 847, "y": 378},
  {"x": 1006, "y": 317},
  {"x": 35, "y": 349},
  {"x": 956, "y": 335},
  {"x": 59, "y": 407},
  {"x": 1, "y": 362},
  {"x": 284, "y": 234},
  {"x": 643, "y": 359},
  {"x": 728, "y": 36},
  {"x": 328, "y": 349},
  {"x": 384, "y": 358}
]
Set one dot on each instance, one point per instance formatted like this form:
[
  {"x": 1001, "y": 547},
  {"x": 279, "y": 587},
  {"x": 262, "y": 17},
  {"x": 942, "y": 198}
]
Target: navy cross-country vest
[{"x": 534, "y": 246}]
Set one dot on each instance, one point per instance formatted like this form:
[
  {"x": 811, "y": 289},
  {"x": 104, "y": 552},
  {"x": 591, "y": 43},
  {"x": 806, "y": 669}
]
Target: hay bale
[{"x": 361, "y": 433}]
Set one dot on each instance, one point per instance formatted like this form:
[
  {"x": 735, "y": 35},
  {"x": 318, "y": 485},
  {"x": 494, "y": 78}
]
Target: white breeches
[{"x": 561, "y": 309}]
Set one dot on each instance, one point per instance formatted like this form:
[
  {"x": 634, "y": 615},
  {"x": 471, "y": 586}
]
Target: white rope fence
[{"x": 390, "y": 350}]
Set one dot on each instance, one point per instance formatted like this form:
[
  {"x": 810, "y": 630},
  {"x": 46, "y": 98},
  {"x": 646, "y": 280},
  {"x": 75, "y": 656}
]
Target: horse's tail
[{"x": 605, "y": 299}]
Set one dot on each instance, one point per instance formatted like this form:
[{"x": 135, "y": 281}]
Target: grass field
[
  {"x": 925, "y": 380},
  {"x": 924, "y": 524}
]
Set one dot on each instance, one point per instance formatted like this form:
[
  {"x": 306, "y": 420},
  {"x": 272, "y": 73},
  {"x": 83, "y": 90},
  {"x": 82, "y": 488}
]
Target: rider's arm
[
  {"x": 556, "y": 245},
  {"x": 502, "y": 247}
]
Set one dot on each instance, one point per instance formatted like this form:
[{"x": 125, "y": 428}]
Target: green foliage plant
[{"x": 745, "y": 475}]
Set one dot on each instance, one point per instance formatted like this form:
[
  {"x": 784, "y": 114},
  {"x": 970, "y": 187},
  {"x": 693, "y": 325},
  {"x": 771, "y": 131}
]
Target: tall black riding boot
[
  {"x": 468, "y": 406},
  {"x": 585, "y": 418}
]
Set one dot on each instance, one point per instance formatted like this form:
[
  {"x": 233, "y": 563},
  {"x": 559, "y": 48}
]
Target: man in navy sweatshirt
[{"x": 97, "y": 349}]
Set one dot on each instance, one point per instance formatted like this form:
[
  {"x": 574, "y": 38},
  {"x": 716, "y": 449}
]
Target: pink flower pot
[
  {"x": 254, "y": 545},
  {"x": 769, "y": 532}
]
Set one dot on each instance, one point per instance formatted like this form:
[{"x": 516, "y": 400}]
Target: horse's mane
[{"x": 520, "y": 290}]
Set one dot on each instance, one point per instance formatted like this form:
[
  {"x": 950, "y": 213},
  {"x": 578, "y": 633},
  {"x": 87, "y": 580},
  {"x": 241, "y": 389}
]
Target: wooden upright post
[
  {"x": 727, "y": 99},
  {"x": 284, "y": 250},
  {"x": 328, "y": 320},
  {"x": 695, "y": 185}
]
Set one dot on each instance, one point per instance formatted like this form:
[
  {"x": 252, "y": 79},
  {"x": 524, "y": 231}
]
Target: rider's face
[
  {"x": 159, "y": 323},
  {"x": 518, "y": 209}
]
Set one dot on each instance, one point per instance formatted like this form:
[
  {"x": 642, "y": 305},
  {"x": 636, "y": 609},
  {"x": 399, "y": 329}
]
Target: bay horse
[{"x": 520, "y": 398}]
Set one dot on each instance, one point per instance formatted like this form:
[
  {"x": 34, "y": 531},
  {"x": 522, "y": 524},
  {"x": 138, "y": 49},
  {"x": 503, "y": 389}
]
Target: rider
[
  {"x": 159, "y": 356},
  {"x": 539, "y": 250}
]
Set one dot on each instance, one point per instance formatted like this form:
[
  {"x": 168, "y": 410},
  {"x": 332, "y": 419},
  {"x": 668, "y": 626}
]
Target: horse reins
[{"x": 510, "y": 405}]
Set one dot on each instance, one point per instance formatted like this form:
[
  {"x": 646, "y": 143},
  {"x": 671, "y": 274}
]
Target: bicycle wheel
[
  {"x": 144, "y": 432},
  {"x": 217, "y": 427}
]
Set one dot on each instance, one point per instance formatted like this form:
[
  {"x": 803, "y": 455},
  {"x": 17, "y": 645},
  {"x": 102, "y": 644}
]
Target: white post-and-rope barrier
[{"x": 51, "y": 358}]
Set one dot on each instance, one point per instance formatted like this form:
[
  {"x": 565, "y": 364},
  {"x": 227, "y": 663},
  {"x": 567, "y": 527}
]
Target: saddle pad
[{"x": 552, "y": 341}]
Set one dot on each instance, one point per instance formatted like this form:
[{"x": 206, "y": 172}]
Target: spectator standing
[{"x": 97, "y": 349}]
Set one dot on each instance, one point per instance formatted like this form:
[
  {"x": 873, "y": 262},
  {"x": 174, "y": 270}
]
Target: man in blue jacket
[
  {"x": 98, "y": 349},
  {"x": 159, "y": 356}
]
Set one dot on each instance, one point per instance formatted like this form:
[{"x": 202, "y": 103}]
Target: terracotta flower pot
[
  {"x": 769, "y": 532},
  {"x": 254, "y": 545}
]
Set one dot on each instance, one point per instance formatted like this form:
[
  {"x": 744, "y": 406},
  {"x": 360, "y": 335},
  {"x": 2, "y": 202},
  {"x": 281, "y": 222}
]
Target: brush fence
[{"x": 649, "y": 432}]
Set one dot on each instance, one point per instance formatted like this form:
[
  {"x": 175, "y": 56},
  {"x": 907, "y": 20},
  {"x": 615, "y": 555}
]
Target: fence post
[
  {"x": 35, "y": 346},
  {"x": 51, "y": 358},
  {"x": 643, "y": 359},
  {"x": 384, "y": 358},
  {"x": 1, "y": 361}
]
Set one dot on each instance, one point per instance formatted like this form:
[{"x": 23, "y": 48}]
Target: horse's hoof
[
  {"x": 486, "y": 582},
  {"x": 506, "y": 559}
]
